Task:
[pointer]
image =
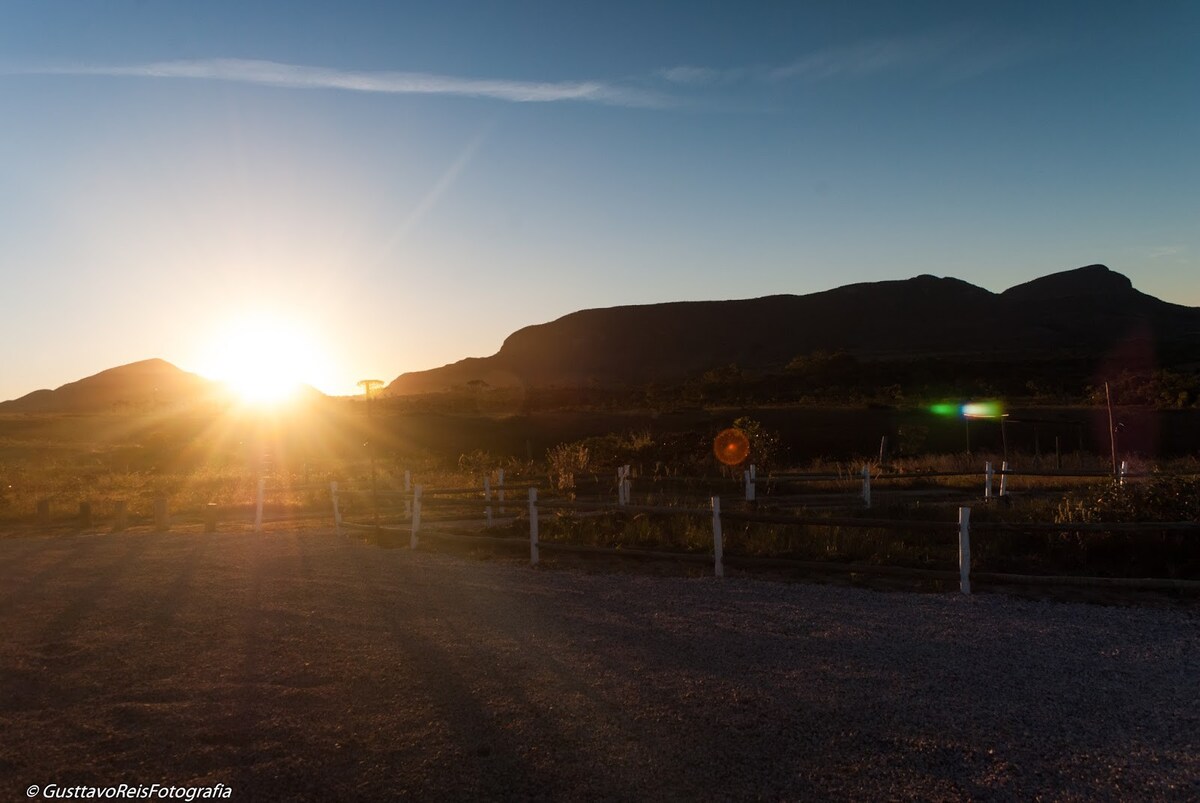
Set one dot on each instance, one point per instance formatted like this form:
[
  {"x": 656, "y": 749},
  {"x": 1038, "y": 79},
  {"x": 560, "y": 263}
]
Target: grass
[{"x": 137, "y": 459}]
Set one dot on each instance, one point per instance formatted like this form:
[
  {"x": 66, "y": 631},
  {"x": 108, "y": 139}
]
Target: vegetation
[
  {"x": 137, "y": 458},
  {"x": 840, "y": 379}
]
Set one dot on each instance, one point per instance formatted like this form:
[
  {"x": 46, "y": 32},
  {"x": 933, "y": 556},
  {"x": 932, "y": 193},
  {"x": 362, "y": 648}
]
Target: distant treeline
[{"x": 841, "y": 379}]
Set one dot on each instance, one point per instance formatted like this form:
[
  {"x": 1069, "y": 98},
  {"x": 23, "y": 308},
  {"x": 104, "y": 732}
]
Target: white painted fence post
[
  {"x": 487, "y": 497},
  {"x": 1004, "y": 478},
  {"x": 987, "y": 481},
  {"x": 500, "y": 491},
  {"x": 407, "y": 490},
  {"x": 749, "y": 481},
  {"x": 258, "y": 507},
  {"x": 718, "y": 540},
  {"x": 964, "y": 550},
  {"x": 533, "y": 527},
  {"x": 416, "y": 517},
  {"x": 337, "y": 515},
  {"x": 623, "y": 485},
  {"x": 1124, "y": 471},
  {"x": 866, "y": 489}
]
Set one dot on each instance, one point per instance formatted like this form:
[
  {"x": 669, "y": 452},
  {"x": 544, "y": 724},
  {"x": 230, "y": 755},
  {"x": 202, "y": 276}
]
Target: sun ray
[{"x": 263, "y": 359}]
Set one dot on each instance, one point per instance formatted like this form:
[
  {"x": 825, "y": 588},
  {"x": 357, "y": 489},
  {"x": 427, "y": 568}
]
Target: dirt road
[{"x": 301, "y": 666}]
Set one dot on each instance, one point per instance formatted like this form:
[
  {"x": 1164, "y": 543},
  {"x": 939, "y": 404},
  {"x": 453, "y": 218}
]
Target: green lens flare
[
  {"x": 982, "y": 410},
  {"x": 944, "y": 408}
]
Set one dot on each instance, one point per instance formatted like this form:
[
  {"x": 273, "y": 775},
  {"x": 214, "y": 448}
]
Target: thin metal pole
[
  {"x": 533, "y": 528},
  {"x": 1112, "y": 429},
  {"x": 718, "y": 540},
  {"x": 964, "y": 550}
]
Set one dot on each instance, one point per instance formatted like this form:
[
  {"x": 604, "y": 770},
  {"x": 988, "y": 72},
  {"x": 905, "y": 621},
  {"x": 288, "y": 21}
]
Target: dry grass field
[{"x": 300, "y": 666}]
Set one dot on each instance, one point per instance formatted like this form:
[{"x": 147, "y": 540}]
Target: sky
[{"x": 395, "y": 186}]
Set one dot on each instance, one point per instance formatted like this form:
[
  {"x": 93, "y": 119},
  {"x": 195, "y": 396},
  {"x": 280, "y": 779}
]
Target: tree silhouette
[{"x": 369, "y": 385}]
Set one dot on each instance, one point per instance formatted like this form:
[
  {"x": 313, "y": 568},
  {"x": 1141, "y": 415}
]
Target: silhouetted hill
[
  {"x": 147, "y": 384},
  {"x": 1078, "y": 312}
]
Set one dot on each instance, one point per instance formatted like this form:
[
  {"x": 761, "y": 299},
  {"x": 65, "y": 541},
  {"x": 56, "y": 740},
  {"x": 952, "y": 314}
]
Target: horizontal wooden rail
[
  {"x": 849, "y": 568},
  {"x": 1095, "y": 475},
  {"x": 275, "y": 487},
  {"x": 696, "y": 557},
  {"x": 382, "y": 492},
  {"x": 768, "y": 478},
  {"x": 841, "y": 521},
  {"x": 1086, "y": 526},
  {"x": 467, "y": 503},
  {"x": 611, "y": 508}
]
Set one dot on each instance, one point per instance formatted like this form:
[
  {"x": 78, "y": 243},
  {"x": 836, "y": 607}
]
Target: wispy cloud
[
  {"x": 866, "y": 58},
  {"x": 947, "y": 55},
  {"x": 701, "y": 76},
  {"x": 1160, "y": 251},
  {"x": 296, "y": 76}
]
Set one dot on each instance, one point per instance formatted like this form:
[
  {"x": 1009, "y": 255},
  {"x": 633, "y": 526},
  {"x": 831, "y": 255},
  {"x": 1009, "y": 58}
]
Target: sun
[{"x": 263, "y": 359}]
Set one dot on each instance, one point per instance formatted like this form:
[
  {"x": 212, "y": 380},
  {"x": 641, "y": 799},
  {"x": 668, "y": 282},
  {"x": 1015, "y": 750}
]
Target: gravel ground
[{"x": 301, "y": 666}]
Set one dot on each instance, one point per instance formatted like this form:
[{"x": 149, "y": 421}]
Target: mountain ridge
[
  {"x": 152, "y": 382},
  {"x": 1084, "y": 310}
]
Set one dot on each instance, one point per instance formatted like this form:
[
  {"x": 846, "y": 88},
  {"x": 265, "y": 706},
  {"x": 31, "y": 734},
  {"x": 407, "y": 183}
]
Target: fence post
[
  {"x": 1004, "y": 478},
  {"x": 487, "y": 497},
  {"x": 120, "y": 516},
  {"x": 210, "y": 517},
  {"x": 408, "y": 489},
  {"x": 964, "y": 550},
  {"x": 749, "y": 480},
  {"x": 162, "y": 521},
  {"x": 753, "y": 476},
  {"x": 866, "y": 485},
  {"x": 718, "y": 540},
  {"x": 533, "y": 527},
  {"x": 1124, "y": 471},
  {"x": 500, "y": 488},
  {"x": 627, "y": 484},
  {"x": 258, "y": 505},
  {"x": 85, "y": 514},
  {"x": 337, "y": 515},
  {"x": 43, "y": 512},
  {"x": 416, "y": 517},
  {"x": 987, "y": 481}
]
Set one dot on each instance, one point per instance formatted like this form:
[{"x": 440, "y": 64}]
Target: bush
[
  {"x": 564, "y": 461},
  {"x": 1159, "y": 499},
  {"x": 765, "y": 445}
]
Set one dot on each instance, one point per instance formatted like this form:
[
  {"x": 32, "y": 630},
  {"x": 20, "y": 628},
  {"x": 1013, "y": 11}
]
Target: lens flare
[
  {"x": 982, "y": 410},
  {"x": 731, "y": 447},
  {"x": 945, "y": 408}
]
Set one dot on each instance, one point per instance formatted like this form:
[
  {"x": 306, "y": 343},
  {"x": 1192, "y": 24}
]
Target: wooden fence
[{"x": 482, "y": 499}]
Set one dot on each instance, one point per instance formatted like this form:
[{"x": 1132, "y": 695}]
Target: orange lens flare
[{"x": 731, "y": 447}]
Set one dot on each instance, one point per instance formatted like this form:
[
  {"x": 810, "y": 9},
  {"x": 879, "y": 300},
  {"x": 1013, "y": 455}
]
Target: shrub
[
  {"x": 764, "y": 444},
  {"x": 1159, "y": 499},
  {"x": 564, "y": 461}
]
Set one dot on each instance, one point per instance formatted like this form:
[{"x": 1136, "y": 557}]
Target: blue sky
[{"x": 405, "y": 185}]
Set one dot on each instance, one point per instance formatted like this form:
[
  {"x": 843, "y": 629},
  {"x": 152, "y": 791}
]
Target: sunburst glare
[{"x": 264, "y": 359}]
